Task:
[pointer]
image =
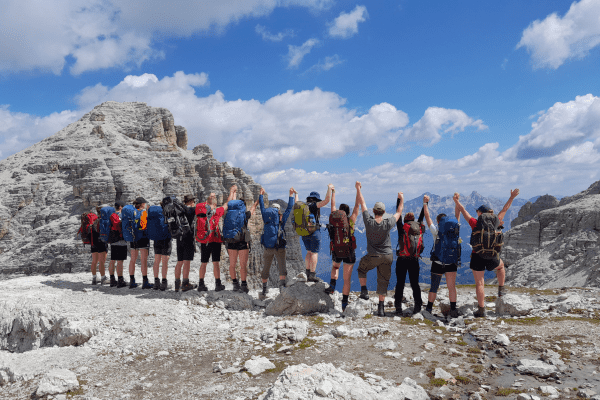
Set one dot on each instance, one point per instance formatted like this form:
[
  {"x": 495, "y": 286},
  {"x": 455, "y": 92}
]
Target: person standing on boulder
[
  {"x": 379, "y": 247},
  {"x": 241, "y": 250},
  {"x": 449, "y": 266},
  {"x": 186, "y": 247},
  {"x": 99, "y": 253},
  {"x": 488, "y": 226},
  {"x": 312, "y": 242},
  {"x": 348, "y": 248},
  {"x": 140, "y": 247},
  {"x": 273, "y": 239},
  {"x": 210, "y": 238},
  {"x": 118, "y": 247}
]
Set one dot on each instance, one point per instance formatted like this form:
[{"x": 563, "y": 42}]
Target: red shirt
[{"x": 473, "y": 223}]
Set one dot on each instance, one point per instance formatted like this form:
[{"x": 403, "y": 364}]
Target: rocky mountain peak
[{"x": 529, "y": 210}]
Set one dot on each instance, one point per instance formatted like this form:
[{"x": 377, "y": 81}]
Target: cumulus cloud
[
  {"x": 556, "y": 39},
  {"x": 296, "y": 53},
  {"x": 346, "y": 24},
  {"x": 266, "y": 35},
  {"x": 102, "y": 34},
  {"x": 326, "y": 65},
  {"x": 437, "y": 121}
]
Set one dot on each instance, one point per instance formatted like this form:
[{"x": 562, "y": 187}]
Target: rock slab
[
  {"x": 57, "y": 381},
  {"x": 299, "y": 299}
]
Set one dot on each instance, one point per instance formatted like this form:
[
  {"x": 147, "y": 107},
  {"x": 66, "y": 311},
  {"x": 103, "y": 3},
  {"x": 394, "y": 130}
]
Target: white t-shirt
[{"x": 434, "y": 231}]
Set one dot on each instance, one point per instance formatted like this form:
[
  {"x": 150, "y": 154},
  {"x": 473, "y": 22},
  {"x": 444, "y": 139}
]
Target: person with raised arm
[
  {"x": 486, "y": 241},
  {"x": 379, "y": 247}
]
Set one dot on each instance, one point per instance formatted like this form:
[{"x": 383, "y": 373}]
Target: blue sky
[{"x": 411, "y": 96}]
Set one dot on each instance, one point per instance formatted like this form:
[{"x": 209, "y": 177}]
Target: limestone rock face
[
  {"x": 559, "y": 246},
  {"x": 117, "y": 151},
  {"x": 529, "y": 210}
]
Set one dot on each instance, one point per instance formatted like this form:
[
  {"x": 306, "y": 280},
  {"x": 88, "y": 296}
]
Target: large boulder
[
  {"x": 236, "y": 301},
  {"x": 258, "y": 365},
  {"x": 536, "y": 367},
  {"x": 299, "y": 299},
  {"x": 514, "y": 305},
  {"x": 359, "y": 308}
]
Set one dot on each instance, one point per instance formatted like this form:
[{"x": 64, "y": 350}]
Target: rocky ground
[{"x": 61, "y": 337}]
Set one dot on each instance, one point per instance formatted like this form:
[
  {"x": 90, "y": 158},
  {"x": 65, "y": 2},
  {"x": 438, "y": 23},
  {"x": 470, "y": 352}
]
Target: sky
[{"x": 402, "y": 96}]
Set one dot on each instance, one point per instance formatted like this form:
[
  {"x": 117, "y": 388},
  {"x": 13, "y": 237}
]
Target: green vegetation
[
  {"x": 77, "y": 392},
  {"x": 279, "y": 367},
  {"x": 462, "y": 343},
  {"x": 437, "y": 382},
  {"x": 489, "y": 299},
  {"x": 507, "y": 391},
  {"x": 473, "y": 350},
  {"x": 317, "y": 320},
  {"x": 368, "y": 316},
  {"x": 478, "y": 368},
  {"x": 306, "y": 343},
  {"x": 462, "y": 379}
]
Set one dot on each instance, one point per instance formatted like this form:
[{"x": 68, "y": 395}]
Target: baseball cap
[
  {"x": 140, "y": 200},
  {"x": 188, "y": 197},
  {"x": 379, "y": 206},
  {"x": 484, "y": 209}
]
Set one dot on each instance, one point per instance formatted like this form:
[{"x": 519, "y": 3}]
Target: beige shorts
[{"x": 383, "y": 263}]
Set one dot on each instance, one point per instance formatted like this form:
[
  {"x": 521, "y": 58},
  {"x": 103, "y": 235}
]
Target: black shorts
[
  {"x": 238, "y": 246},
  {"x": 162, "y": 247},
  {"x": 208, "y": 250},
  {"x": 118, "y": 253},
  {"x": 440, "y": 269},
  {"x": 481, "y": 264},
  {"x": 143, "y": 243},
  {"x": 186, "y": 249},
  {"x": 99, "y": 247},
  {"x": 351, "y": 259}
]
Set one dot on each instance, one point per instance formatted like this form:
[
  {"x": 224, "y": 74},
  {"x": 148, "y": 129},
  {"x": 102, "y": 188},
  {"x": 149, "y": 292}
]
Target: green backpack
[{"x": 304, "y": 222}]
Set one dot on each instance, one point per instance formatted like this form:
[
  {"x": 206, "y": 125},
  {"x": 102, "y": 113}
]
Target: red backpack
[
  {"x": 341, "y": 235},
  {"x": 207, "y": 228},
  {"x": 410, "y": 240},
  {"x": 89, "y": 221}
]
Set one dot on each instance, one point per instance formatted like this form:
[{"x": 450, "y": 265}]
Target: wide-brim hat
[
  {"x": 188, "y": 197},
  {"x": 315, "y": 195}
]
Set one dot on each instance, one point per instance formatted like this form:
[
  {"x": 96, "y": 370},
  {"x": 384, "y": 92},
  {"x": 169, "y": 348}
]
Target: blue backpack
[
  {"x": 447, "y": 246},
  {"x": 104, "y": 225},
  {"x": 128, "y": 223},
  {"x": 271, "y": 219},
  {"x": 157, "y": 229},
  {"x": 233, "y": 224}
]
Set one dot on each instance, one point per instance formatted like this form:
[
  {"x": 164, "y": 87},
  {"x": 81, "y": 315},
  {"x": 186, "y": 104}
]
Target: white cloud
[
  {"x": 554, "y": 40},
  {"x": 102, "y": 34},
  {"x": 297, "y": 53},
  {"x": 326, "y": 65},
  {"x": 437, "y": 121},
  {"x": 266, "y": 35},
  {"x": 346, "y": 24}
]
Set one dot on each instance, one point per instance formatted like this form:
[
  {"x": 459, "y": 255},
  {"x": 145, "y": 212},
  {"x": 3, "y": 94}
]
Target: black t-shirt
[{"x": 314, "y": 210}]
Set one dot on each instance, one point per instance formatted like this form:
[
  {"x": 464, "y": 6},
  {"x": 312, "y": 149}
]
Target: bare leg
[
  {"x": 347, "y": 278},
  {"x": 111, "y": 267},
  {"x": 120, "y": 268},
  {"x": 178, "y": 269},
  {"x": 202, "y": 271},
  {"x": 186, "y": 269},
  {"x": 144, "y": 259},
  {"x": 451, "y": 282},
  {"x": 335, "y": 270},
  {"x": 216, "y": 270},
  {"x": 314, "y": 257},
  {"x": 165, "y": 266},
  {"x": 479, "y": 287},
  {"x": 501, "y": 273},
  {"x": 156, "y": 265},
  {"x": 233, "y": 257},
  {"x": 102, "y": 262},
  {"x": 94, "y": 263},
  {"x": 243, "y": 255},
  {"x": 363, "y": 281},
  {"x": 133, "y": 257}
]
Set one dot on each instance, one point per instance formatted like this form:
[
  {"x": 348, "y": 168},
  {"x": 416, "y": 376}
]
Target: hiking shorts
[
  {"x": 143, "y": 243},
  {"x": 351, "y": 259},
  {"x": 482, "y": 264},
  {"x": 440, "y": 269},
  {"x": 163, "y": 247},
  {"x": 383, "y": 263},
  {"x": 268, "y": 259},
  {"x": 238, "y": 246},
  {"x": 118, "y": 253},
  {"x": 186, "y": 248},
  {"x": 210, "y": 250},
  {"x": 99, "y": 247},
  {"x": 312, "y": 242}
]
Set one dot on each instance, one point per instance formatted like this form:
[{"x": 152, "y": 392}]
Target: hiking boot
[
  {"x": 380, "y": 310},
  {"x": 281, "y": 285},
  {"x": 104, "y": 280},
  {"x": 330, "y": 290},
  {"x": 219, "y": 287},
  {"x": 177, "y": 284},
  {"x": 236, "y": 286},
  {"x": 94, "y": 280},
  {"x": 501, "y": 291},
  {"x": 364, "y": 294},
  {"x": 417, "y": 309},
  {"x": 156, "y": 284},
  {"x": 132, "y": 284},
  {"x": 344, "y": 305},
  {"x": 201, "y": 287},
  {"x": 163, "y": 285},
  {"x": 113, "y": 281},
  {"x": 453, "y": 313},
  {"x": 399, "y": 311},
  {"x": 147, "y": 285},
  {"x": 312, "y": 277},
  {"x": 480, "y": 313},
  {"x": 244, "y": 289}
]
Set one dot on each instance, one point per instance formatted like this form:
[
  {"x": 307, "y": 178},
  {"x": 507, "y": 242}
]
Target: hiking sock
[
  {"x": 217, "y": 281},
  {"x": 452, "y": 305},
  {"x": 501, "y": 291},
  {"x": 345, "y": 298},
  {"x": 132, "y": 277},
  {"x": 363, "y": 288},
  {"x": 264, "y": 288},
  {"x": 235, "y": 281},
  {"x": 145, "y": 277},
  {"x": 112, "y": 276},
  {"x": 244, "y": 283},
  {"x": 429, "y": 307},
  {"x": 201, "y": 281},
  {"x": 332, "y": 283}
]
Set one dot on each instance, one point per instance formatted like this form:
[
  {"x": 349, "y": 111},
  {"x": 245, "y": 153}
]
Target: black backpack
[
  {"x": 487, "y": 238},
  {"x": 175, "y": 217}
]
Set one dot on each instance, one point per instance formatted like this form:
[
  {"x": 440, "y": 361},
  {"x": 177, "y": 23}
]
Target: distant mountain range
[{"x": 437, "y": 205}]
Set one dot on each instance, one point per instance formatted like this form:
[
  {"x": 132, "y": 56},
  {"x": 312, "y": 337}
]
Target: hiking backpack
[
  {"x": 175, "y": 217},
  {"x": 233, "y": 224},
  {"x": 105, "y": 224},
  {"x": 487, "y": 239},
  {"x": 116, "y": 231},
  {"x": 447, "y": 248},
  {"x": 271, "y": 231},
  {"x": 88, "y": 221},
  {"x": 304, "y": 222},
  {"x": 341, "y": 235},
  {"x": 128, "y": 222},
  {"x": 157, "y": 228},
  {"x": 410, "y": 239},
  {"x": 204, "y": 226}
]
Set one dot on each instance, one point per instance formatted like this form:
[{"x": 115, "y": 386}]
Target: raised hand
[
  {"x": 292, "y": 191},
  {"x": 514, "y": 193},
  {"x": 425, "y": 199},
  {"x": 330, "y": 186},
  {"x": 401, "y": 196},
  {"x": 262, "y": 191},
  {"x": 456, "y": 197},
  {"x": 357, "y": 185}
]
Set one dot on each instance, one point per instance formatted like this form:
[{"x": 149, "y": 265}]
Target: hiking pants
[
  {"x": 410, "y": 265},
  {"x": 383, "y": 263},
  {"x": 268, "y": 258}
]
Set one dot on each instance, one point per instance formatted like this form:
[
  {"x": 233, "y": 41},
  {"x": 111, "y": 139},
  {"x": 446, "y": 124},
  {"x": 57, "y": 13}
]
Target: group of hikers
[{"x": 189, "y": 223}]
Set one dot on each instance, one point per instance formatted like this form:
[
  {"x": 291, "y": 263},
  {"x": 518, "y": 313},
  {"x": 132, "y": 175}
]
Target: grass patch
[
  {"x": 77, "y": 392},
  {"x": 462, "y": 379},
  {"x": 489, "y": 299},
  {"x": 306, "y": 343},
  {"x": 520, "y": 321},
  {"x": 368, "y": 316},
  {"x": 415, "y": 363},
  {"x": 507, "y": 391},
  {"x": 477, "y": 369},
  {"x": 279, "y": 367},
  {"x": 462, "y": 343},
  {"x": 473, "y": 350},
  {"x": 437, "y": 382},
  {"x": 317, "y": 320}
]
